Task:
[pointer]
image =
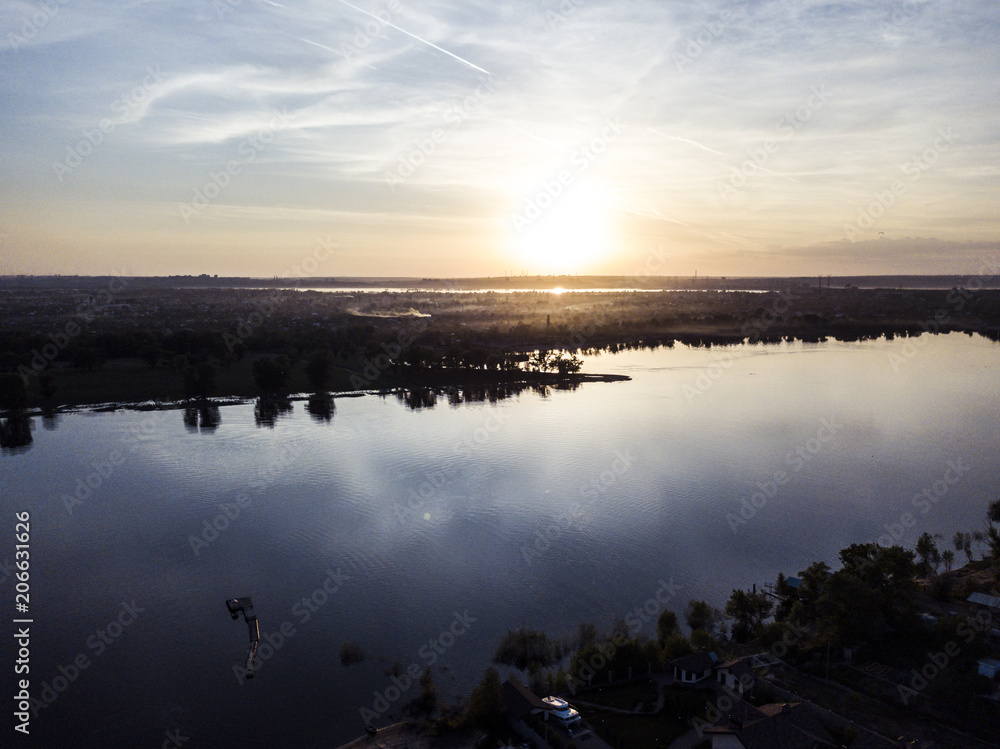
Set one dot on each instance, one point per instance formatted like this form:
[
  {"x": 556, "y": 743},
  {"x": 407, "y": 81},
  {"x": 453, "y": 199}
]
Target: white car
[{"x": 562, "y": 711}]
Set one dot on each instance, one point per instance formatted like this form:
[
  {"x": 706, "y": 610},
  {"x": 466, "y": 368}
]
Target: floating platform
[{"x": 244, "y": 605}]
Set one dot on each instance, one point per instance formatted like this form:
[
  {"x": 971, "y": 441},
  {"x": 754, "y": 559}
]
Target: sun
[{"x": 562, "y": 234}]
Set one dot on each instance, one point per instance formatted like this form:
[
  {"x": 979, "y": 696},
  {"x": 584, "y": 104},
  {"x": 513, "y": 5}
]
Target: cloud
[{"x": 700, "y": 89}]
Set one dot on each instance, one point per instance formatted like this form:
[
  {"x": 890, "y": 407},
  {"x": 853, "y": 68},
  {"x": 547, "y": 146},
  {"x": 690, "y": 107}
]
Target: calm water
[{"x": 424, "y": 513}]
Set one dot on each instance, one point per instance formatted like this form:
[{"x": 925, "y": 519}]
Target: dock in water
[{"x": 245, "y": 605}]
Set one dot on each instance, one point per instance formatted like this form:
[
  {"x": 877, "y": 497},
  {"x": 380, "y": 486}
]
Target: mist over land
[{"x": 130, "y": 339}]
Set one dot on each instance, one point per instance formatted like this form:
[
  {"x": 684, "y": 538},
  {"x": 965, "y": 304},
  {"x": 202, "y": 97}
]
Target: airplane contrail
[
  {"x": 414, "y": 36},
  {"x": 321, "y": 46},
  {"x": 686, "y": 140}
]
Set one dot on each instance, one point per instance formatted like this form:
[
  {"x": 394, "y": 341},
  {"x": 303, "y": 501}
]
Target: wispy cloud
[{"x": 364, "y": 85}]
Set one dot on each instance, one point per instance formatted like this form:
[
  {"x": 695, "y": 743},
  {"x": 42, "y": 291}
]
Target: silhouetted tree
[
  {"x": 13, "y": 393},
  {"x": 750, "y": 610},
  {"x": 486, "y": 707},
  {"x": 666, "y": 626},
  {"x": 929, "y": 555},
  {"x": 271, "y": 373},
  {"x": 948, "y": 557},
  {"x": 699, "y": 615},
  {"x": 318, "y": 370},
  {"x": 992, "y": 530},
  {"x": 199, "y": 380}
]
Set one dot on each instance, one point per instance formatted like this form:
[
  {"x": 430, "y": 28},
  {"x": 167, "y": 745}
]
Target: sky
[{"x": 438, "y": 138}]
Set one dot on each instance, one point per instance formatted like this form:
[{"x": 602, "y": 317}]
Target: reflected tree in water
[
  {"x": 204, "y": 417},
  {"x": 416, "y": 399},
  {"x": 321, "y": 407},
  {"x": 50, "y": 420},
  {"x": 267, "y": 410},
  {"x": 15, "y": 426},
  {"x": 15, "y": 432}
]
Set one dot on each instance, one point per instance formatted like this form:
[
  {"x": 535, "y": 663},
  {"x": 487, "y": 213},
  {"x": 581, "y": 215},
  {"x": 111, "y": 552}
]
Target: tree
[
  {"x": 522, "y": 647},
  {"x": 351, "y": 653},
  {"x": 991, "y": 533},
  {"x": 849, "y": 611},
  {"x": 813, "y": 578},
  {"x": 702, "y": 640},
  {"x": 699, "y": 615},
  {"x": 586, "y": 635},
  {"x": 318, "y": 370},
  {"x": 568, "y": 364},
  {"x": 427, "y": 700},
  {"x": 46, "y": 386},
  {"x": 199, "y": 380},
  {"x": 13, "y": 393},
  {"x": 928, "y": 552},
  {"x": 486, "y": 707},
  {"x": 666, "y": 626},
  {"x": 963, "y": 542},
  {"x": 890, "y": 571},
  {"x": 948, "y": 557},
  {"x": 749, "y": 609},
  {"x": 271, "y": 374}
]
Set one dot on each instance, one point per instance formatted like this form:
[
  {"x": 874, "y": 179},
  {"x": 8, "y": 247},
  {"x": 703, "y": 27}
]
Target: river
[{"x": 423, "y": 534}]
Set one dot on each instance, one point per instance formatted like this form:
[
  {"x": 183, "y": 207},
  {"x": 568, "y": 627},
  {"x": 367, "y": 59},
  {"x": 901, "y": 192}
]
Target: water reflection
[
  {"x": 321, "y": 407},
  {"x": 266, "y": 411},
  {"x": 416, "y": 399},
  {"x": 204, "y": 417},
  {"x": 50, "y": 420},
  {"x": 15, "y": 433}
]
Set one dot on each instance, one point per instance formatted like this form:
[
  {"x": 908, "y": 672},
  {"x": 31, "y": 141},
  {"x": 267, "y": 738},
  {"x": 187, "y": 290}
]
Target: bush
[{"x": 351, "y": 653}]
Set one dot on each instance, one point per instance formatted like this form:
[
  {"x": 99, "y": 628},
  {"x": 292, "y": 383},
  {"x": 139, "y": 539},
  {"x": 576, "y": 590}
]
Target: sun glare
[{"x": 564, "y": 235}]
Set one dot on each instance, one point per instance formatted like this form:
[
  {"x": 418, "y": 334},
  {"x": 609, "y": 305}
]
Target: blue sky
[{"x": 472, "y": 138}]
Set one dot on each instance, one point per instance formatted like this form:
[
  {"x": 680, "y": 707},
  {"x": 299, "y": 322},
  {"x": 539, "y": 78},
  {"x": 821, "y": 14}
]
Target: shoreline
[{"x": 530, "y": 380}]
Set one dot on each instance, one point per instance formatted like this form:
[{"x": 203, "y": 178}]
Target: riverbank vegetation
[{"x": 81, "y": 345}]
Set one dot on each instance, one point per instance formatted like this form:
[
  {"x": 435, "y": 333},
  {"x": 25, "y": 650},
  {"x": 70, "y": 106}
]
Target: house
[
  {"x": 736, "y": 675},
  {"x": 776, "y": 726},
  {"x": 982, "y": 599},
  {"x": 521, "y": 701},
  {"x": 781, "y": 726},
  {"x": 694, "y": 669},
  {"x": 989, "y": 667}
]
